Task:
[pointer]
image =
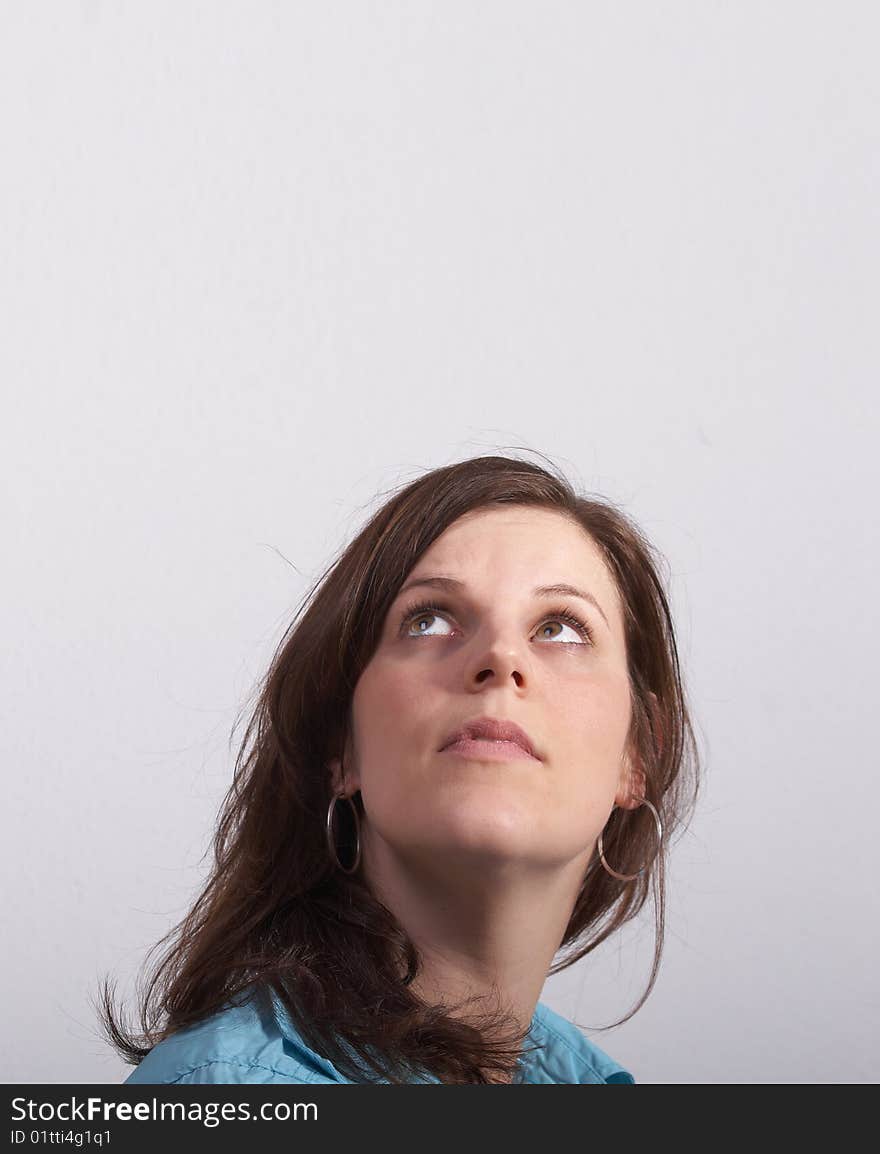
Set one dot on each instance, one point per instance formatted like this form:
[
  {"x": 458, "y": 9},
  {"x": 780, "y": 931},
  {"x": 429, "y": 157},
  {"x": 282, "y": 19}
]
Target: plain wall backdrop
[{"x": 261, "y": 262}]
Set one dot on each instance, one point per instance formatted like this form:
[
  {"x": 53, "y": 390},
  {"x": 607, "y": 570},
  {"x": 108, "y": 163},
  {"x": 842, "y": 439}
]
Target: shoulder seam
[
  {"x": 581, "y": 1057},
  {"x": 245, "y": 1065}
]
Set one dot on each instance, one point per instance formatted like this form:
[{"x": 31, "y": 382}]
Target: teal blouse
[{"x": 256, "y": 1041}]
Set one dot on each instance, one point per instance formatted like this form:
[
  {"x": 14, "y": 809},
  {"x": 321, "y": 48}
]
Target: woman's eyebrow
[{"x": 557, "y": 590}]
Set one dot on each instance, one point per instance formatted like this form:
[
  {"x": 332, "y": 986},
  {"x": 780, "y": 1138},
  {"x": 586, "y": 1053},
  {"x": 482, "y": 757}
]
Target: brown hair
[{"x": 276, "y": 912}]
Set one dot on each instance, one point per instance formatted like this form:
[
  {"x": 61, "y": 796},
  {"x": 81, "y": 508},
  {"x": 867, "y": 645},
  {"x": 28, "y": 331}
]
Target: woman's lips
[{"x": 481, "y": 749}]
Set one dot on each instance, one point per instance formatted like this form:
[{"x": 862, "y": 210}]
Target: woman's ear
[
  {"x": 632, "y": 786},
  {"x": 631, "y": 789},
  {"x": 336, "y": 775},
  {"x": 352, "y": 781}
]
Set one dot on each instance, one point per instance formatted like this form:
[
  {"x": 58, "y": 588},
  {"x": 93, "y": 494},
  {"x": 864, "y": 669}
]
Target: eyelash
[{"x": 562, "y": 613}]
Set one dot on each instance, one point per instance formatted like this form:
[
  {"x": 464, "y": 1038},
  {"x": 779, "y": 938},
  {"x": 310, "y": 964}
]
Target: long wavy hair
[{"x": 277, "y": 914}]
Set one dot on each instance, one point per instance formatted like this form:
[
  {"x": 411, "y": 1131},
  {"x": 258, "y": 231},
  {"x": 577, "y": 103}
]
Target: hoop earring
[
  {"x": 331, "y": 841},
  {"x": 632, "y": 877}
]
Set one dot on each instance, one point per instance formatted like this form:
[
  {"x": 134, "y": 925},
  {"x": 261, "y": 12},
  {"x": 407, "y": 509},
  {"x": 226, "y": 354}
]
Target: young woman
[{"x": 469, "y": 754}]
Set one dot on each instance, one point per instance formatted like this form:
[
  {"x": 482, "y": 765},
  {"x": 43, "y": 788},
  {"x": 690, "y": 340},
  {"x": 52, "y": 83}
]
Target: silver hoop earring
[
  {"x": 331, "y": 841},
  {"x": 632, "y": 877}
]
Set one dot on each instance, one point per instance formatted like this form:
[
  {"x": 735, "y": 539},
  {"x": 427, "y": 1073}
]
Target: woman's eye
[
  {"x": 548, "y": 624},
  {"x": 414, "y": 624},
  {"x": 419, "y": 618}
]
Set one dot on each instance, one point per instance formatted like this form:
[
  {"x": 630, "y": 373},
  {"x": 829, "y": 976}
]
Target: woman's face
[{"x": 497, "y": 649}]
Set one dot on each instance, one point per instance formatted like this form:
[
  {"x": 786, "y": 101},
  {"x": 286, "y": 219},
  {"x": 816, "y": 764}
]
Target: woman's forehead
[
  {"x": 528, "y": 547},
  {"x": 497, "y": 532}
]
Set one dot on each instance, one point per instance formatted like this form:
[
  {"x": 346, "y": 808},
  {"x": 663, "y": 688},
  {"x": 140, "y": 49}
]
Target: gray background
[{"x": 261, "y": 262}]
